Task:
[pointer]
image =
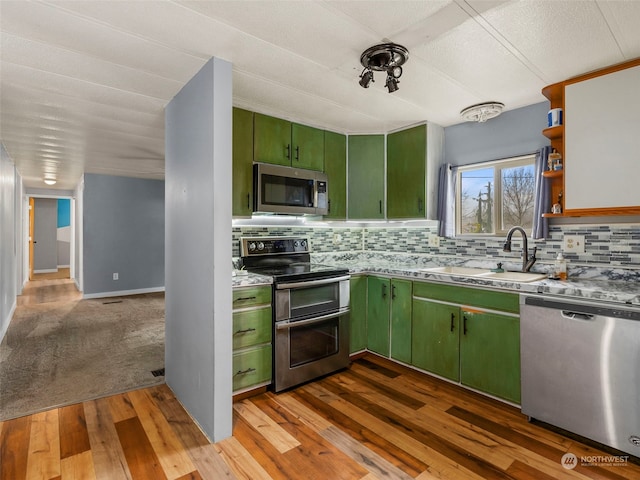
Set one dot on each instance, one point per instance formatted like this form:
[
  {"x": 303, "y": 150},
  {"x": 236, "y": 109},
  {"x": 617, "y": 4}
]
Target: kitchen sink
[
  {"x": 523, "y": 277},
  {"x": 464, "y": 271}
]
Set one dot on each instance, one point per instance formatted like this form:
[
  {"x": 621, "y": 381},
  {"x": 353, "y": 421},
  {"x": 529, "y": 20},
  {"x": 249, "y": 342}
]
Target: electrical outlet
[
  {"x": 337, "y": 239},
  {"x": 573, "y": 243},
  {"x": 434, "y": 241},
  {"x": 116, "y": 276}
]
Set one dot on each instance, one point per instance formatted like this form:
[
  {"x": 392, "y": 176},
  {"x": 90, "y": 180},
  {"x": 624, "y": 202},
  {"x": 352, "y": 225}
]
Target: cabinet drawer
[
  {"x": 252, "y": 327},
  {"x": 251, "y": 367},
  {"x": 247, "y": 296},
  {"x": 477, "y": 297}
]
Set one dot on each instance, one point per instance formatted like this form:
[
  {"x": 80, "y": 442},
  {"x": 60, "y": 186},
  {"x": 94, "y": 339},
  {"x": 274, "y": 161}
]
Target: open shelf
[
  {"x": 553, "y": 173},
  {"x": 554, "y": 133}
]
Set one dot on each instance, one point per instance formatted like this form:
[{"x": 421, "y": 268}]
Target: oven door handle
[
  {"x": 312, "y": 283},
  {"x": 311, "y": 321}
]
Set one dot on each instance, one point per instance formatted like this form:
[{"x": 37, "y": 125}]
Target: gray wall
[
  {"x": 198, "y": 317},
  {"x": 45, "y": 235},
  {"x": 516, "y": 132},
  {"x": 10, "y": 239},
  {"x": 123, "y": 230}
]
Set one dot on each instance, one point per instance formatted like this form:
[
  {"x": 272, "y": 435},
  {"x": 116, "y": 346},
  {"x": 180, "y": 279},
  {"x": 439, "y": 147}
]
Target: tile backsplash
[{"x": 605, "y": 245}]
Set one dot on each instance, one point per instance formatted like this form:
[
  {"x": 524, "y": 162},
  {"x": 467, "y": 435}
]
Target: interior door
[{"x": 32, "y": 207}]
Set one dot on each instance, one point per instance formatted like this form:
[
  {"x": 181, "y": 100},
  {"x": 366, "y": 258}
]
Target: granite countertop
[
  {"x": 606, "y": 285},
  {"x": 585, "y": 283},
  {"x": 247, "y": 279}
]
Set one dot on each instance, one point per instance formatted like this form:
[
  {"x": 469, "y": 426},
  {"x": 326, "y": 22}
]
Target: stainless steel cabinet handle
[
  {"x": 297, "y": 152},
  {"x": 248, "y": 202},
  {"x": 246, "y": 330},
  {"x": 419, "y": 204},
  {"x": 384, "y": 290},
  {"x": 244, "y": 372},
  {"x": 453, "y": 317},
  {"x": 380, "y": 206},
  {"x": 288, "y": 151},
  {"x": 464, "y": 324},
  {"x": 244, "y": 299}
]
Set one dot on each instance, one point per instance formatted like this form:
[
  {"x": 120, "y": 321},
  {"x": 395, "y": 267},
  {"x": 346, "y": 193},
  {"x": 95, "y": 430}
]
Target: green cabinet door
[
  {"x": 406, "y": 173},
  {"x": 242, "y": 200},
  {"x": 271, "y": 140},
  {"x": 307, "y": 147},
  {"x": 335, "y": 166},
  {"x": 401, "y": 320},
  {"x": 490, "y": 353},
  {"x": 435, "y": 338},
  {"x": 378, "y": 304},
  {"x": 358, "y": 314},
  {"x": 366, "y": 177}
]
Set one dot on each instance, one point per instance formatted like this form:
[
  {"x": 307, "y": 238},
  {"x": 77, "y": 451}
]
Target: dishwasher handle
[{"x": 576, "y": 315}]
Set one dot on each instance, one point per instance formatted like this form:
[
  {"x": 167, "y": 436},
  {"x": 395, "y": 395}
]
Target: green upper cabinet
[
  {"x": 366, "y": 177},
  {"x": 406, "y": 173},
  {"x": 401, "y": 320},
  {"x": 335, "y": 166},
  {"x": 271, "y": 140},
  {"x": 358, "y": 314},
  {"x": 378, "y": 304},
  {"x": 242, "y": 162},
  {"x": 490, "y": 353},
  {"x": 307, "y": 147},
  {"x": 281, "y": 142}
]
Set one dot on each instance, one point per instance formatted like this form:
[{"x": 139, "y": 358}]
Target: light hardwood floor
[
  {"x": 376, "y": 420},
  {"x": 49, "y": 287}
]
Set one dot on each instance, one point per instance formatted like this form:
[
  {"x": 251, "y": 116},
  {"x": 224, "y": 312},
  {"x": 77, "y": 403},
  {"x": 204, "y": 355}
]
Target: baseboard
[
  {"x": 63, "y": 266},
  {"x": 122, "y": 293},
  {"x": 7, "y": 321},
  {"x": 47, "y": 270}
]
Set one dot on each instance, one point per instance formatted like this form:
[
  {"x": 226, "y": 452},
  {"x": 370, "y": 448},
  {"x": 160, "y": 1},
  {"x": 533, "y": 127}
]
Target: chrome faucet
[{"x": 527, "y": 262}]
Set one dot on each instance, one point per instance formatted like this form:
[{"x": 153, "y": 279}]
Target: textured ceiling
[{"x": 84, "y": 83}]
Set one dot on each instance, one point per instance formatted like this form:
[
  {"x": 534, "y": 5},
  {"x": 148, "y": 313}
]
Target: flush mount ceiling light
[
  {"x": 481, "y": 112},
  {"x": 386, "y": 57},
  {"x": 50, "y": 181}
]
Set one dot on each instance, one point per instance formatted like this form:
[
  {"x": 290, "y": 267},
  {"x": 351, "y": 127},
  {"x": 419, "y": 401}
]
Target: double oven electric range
[{"x": 310, "y": 309}]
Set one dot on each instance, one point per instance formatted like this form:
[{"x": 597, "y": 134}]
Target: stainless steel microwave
[{"x": 279, "y": 189}]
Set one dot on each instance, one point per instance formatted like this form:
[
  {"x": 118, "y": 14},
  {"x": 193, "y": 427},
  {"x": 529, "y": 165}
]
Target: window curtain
[
  {"x": 541, "y": 203},
  {"x": 447, "y": 201}
]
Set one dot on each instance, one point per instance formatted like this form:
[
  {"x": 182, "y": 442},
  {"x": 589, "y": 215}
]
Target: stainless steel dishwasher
[{"x": 580, "y": 365}]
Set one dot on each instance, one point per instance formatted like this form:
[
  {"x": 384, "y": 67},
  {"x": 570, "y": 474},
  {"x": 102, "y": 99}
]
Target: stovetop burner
[{"x": 285, "y": 259}]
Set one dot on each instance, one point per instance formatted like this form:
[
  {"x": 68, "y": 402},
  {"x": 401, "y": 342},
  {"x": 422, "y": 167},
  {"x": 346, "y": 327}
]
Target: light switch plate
[{"x": 573, "y": 243}]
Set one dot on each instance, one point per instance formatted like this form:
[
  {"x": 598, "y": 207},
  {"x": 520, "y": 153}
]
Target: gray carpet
[{"x": 61, "y": 353}]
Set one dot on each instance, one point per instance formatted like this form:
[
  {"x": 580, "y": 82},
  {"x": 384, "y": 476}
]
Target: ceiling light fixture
[
  {"x": 481, "y": 112},
  {"x": 50, "y": 181},
  {"x": 386, "y": 57}
]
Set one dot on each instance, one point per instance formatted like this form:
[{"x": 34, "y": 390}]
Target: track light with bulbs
[{"x": 386, "y": 57}]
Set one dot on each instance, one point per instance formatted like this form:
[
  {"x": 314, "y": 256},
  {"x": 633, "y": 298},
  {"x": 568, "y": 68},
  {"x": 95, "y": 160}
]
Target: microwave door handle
[
  {"x": 312, "y": 283},
  {"x": 311, "y": 321}
]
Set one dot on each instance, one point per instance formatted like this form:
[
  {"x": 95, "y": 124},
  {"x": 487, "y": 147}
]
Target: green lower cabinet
[
  {"x": 251, "y": 367},
  {"x": 401, "y": 320},
  {"x": 252, "y": 327},
  {"x": 490, "y": 353},
  {"x": 378, "y": 308},
  {"x": 435, "y": 340},
  {"x": 358, "y": 315}
]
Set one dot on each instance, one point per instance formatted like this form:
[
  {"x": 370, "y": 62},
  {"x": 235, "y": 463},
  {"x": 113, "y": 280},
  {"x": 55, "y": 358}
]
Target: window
[{"x": 493, "y": 197}]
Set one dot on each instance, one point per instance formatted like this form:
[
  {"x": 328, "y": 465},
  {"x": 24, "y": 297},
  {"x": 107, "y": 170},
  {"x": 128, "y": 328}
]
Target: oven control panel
[{"x": 274, "y": 245}]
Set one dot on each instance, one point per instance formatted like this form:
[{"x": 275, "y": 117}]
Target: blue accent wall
[{"x": 64, "y": 212}]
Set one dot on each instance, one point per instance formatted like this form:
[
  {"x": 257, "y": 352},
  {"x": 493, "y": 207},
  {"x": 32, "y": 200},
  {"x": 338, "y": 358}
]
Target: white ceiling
[{"x": 84, "y": 83}]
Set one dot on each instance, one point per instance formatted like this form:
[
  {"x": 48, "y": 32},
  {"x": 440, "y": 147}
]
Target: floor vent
[
  {"x": 113, "y": 301},
  {"x": 158, "y": 373}
]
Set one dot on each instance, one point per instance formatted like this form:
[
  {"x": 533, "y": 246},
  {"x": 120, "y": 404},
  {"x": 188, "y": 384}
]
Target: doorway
[{"x": 51, "y": 238}]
